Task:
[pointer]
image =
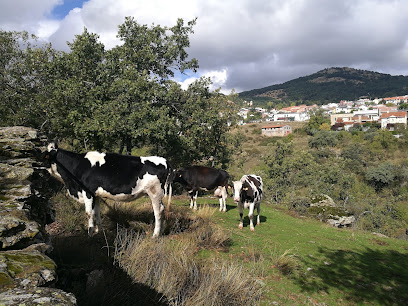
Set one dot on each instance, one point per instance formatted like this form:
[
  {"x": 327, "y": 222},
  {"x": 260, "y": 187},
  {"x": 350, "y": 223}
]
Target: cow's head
[
  {"x": 50, "y": 157},
  {"x": 51, "y": 152},
  {"x": 237, "y": 188},
  {"x": 179, "y": 176}
]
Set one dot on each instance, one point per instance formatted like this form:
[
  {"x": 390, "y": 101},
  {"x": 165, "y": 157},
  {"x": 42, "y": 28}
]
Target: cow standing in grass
[
  {"x": 91, "y": 175},
  {"x": 248, "y": 193},
  {"x": 195, "y": 178}
]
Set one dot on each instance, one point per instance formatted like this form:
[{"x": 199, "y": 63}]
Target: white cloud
[{"x": 244, "y": 44}]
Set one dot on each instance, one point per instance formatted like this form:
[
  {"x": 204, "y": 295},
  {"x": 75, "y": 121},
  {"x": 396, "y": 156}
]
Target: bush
[
  {"x": 323, "y": 139},
  {"x": 382, "y": 175}
]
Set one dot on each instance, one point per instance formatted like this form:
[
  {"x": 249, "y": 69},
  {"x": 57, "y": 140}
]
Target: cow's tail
[{"x": 168, "y": 190}]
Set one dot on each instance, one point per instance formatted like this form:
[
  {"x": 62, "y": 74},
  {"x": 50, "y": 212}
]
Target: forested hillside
[{"x": 330, "y": 85}]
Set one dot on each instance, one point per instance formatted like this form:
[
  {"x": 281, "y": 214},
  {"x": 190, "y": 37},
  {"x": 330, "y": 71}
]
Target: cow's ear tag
[
  {"x": 179, "y": 175},
  {"x": 229, "y": 187},
  {"x": 245, "y": 188}
]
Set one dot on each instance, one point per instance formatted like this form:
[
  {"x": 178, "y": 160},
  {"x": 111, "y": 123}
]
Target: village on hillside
[{"x": 345, "y": 115}]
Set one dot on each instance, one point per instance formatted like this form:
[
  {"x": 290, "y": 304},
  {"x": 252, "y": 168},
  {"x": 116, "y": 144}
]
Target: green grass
[{"x": 303, "y": 261}]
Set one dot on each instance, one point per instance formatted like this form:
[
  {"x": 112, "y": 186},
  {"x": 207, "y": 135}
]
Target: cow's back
[
  {"x": 204, "y": 177},
  {"x": 120, "y": 173}
]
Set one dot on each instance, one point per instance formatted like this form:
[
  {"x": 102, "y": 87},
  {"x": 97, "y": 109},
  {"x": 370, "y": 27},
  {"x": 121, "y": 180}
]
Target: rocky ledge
[{"x": 27, "y": 274}]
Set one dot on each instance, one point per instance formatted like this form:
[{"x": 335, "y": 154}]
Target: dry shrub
[
  {"x": 286, "y": 262},
  {"x": 168, "y": 266},
  {"x": 205, "y": 234},
  {"x": 225, "y": 284}
]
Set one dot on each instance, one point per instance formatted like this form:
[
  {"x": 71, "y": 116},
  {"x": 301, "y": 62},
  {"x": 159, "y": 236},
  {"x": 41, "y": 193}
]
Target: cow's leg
[
  {"x": 195, "y": 200},
  {"x": 241, "y": 213},
  {"x": 191, "y": 194},
  {"x": 224, "y": 198},
  {"x": 251, "y": 215},
  {"x": 156, "y": 196},
  {"x": 90, "y": 212},
  {"x": 258, "y": 210},
  {"x": 97, "y": 210}
]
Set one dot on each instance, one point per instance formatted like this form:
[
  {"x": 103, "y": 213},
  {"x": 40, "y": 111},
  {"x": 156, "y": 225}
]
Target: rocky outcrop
[
  {"x": 325, "y": 209},
  {"x": 26, "y": 272}
]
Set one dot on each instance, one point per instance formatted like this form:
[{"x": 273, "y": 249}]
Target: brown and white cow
[
  {"x": 88, "y": 176},
  {"x": 248, "y": 193},
  {"x": 195, "y": 178}
]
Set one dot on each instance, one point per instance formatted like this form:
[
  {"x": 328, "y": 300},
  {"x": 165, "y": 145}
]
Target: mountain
[{"x": 330, "y": 85}]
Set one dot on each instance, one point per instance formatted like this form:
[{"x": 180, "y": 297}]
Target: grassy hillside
[
  {"x": 330, "y": 85},
  {"x": 303, "y": 261},
  {"x": 292, "y": 260}
]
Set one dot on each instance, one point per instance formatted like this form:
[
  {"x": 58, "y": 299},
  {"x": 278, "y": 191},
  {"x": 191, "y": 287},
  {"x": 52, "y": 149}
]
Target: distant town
[{"x": 345, "y": 115}]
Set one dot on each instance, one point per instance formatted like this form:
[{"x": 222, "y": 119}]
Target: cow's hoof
[
  {"x": 240, "y": 226},
  {"x": 252, "y": 229},
  {"x": 91, "y": 231}
]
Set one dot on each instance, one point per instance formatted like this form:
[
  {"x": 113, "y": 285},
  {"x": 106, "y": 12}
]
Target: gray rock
[
  {"x": 22, "y": 268},
  {"x": 323, "y": 200},
  {"x": 343, "y": 221},
  {"x": 24, "y": 209},
  {"x": 37, "y": 295}
]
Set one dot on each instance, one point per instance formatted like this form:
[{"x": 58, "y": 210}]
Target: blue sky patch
[{"x": 60, "y": 11}]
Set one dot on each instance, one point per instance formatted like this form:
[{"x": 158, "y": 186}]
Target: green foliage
[
  {"x": 316, "y": 120},
  {"x": 382, "y": 175},
  {"x": 25, "y": 79},
  {"x": 323, "y": 139},
  {"x": 120, "y": 98},
  {"x": 292, "y": 172}
]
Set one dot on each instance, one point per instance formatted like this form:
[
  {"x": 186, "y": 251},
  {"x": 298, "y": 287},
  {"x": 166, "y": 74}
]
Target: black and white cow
[
  {"x": 194, "y": 178},
  {"x": 248, "y": 194},
  {"x": 91, "y": 175}
]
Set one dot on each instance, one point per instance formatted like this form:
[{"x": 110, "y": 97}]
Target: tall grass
[{"x": 169, "y": 266}]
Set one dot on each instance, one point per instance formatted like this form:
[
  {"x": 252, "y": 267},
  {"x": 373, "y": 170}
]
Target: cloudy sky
[{"x": 241, "y": 44}]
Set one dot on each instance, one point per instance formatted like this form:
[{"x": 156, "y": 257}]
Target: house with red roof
[{"x": 389, "y": 120}]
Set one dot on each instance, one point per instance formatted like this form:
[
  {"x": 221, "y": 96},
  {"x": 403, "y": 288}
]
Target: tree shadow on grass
[{"x": 367, "y": 276}]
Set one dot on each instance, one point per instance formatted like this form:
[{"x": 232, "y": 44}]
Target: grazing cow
[
  {"x": 194, "y": 178},
  {"x": 109, "y": 175},
  {"x": 248, "y": 194}
]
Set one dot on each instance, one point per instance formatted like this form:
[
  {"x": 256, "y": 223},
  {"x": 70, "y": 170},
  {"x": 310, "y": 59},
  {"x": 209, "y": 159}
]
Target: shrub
[
  {"x": 382, "y": 175},
  {"x": 323, "y": 139}
]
